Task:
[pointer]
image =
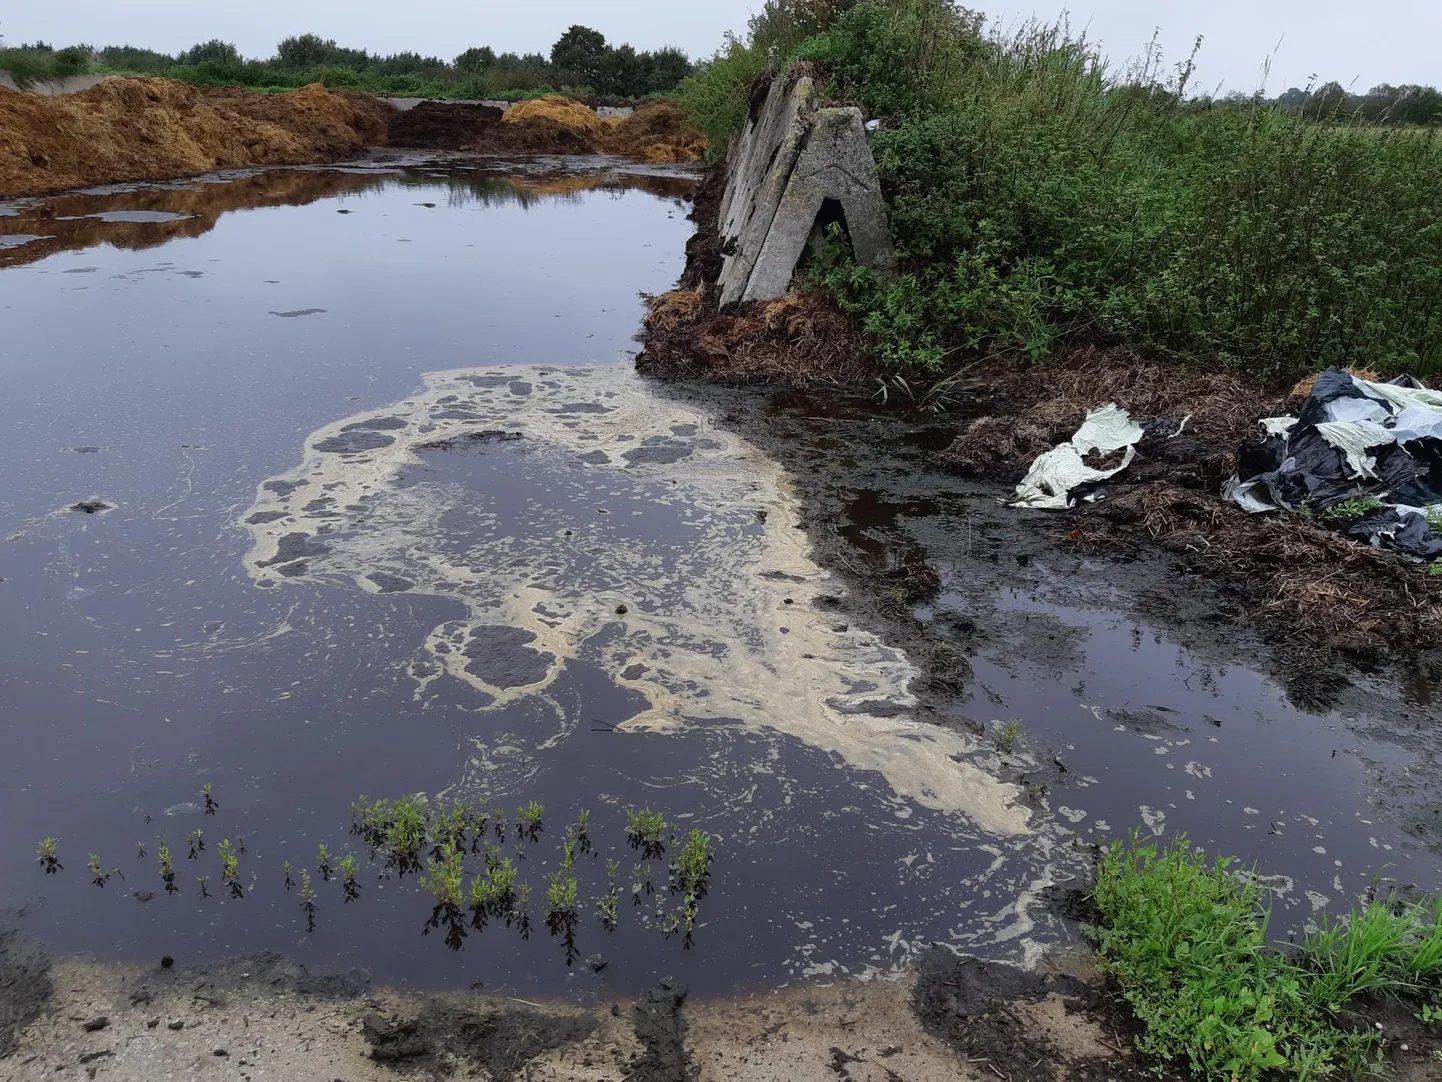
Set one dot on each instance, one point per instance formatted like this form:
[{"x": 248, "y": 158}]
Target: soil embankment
[
  {"x": 656, "y": 132},
  {"x": 152, "y": 129}
]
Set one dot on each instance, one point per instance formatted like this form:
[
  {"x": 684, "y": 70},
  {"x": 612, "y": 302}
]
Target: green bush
[
  {"x": 1036, "y": 197},
  {"x": 715, "y": 94},
  {"x": 1186, "y": 942}
]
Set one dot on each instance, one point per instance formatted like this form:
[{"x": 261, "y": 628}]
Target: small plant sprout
[
  {"x": 1435, "y": 568},
  {"x": 289, "y": 874},
  {"x": 347, "y": 875},
  {"x": 493, "y": 894},
  {"x": 210, "y": 804},
  {"x": 46, "y": 856},
  {"x": 500, "y": 819},
  {"x": 307, "y": 900},
  {"x": 444, "y": 882},
  {"x": 450, "y": 828},
  {"x": 644, "y": 831},
  {"x": 528, "y": 821},
  {"x": 405, "y": 835},
  {"x": 204, "y": 883},
  {"x": 520, "y": 914},
  {"x": 1350, "y": 510},
  {"x": 561, "y": 892},
  {"x": 639, "y": 875},
  {"x": 607, "y": 907},
  {"x": 240, "y": 843},
  {"x": 98, "y": 875},
  {"x": 196, "y": 840},
  {"x": 583, "y": 831},
  {"x": 139, "y": 850},
  {"x": 229, "y": 863},
  {"x": 323, "y": 863},
  {"x": 478, "y": 824},
  {"x": 1007, "y": 733},
  {"x": 167, "y": 870}
]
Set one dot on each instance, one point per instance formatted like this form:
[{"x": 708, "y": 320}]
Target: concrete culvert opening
[{"x": 829, "y": 243}]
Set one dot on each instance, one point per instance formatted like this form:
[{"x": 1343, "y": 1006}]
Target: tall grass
[
  {"x": 1185, "y": 940},
  {"x": 1038, "y": 196}
]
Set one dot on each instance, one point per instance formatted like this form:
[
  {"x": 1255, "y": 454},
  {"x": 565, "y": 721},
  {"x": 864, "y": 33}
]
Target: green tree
[
  {"x": 1327, "y": 102},
  {"x": 304, "y": 51},
  {"x": 579, "y": 56},
  {"x": 222, "y": 52},
  {"x": 668, "y": 67},
  {"x": 475, "y": 60}
]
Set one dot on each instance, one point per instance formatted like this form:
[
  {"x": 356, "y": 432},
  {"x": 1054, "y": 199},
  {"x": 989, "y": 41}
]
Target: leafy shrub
[{"x": 1186, "y": 942}]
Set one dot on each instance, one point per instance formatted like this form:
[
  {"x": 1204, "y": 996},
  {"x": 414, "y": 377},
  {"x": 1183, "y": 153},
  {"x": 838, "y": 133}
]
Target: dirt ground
[
  {"x": 152, "y": 129},
  {"x": 952, "y": 1020}
]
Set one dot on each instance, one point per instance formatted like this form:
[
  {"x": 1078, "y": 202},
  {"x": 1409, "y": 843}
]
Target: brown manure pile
[
  {"x": 656, "y": 132},
  {"x": 150, "y": 129}
]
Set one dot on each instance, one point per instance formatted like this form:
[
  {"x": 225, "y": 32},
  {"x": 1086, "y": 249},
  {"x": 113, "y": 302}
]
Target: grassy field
[{"x": 1038, "y": 197}]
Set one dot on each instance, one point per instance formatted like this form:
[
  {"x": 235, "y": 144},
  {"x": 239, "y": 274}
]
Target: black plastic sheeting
[{"x": 1303, "y": 473}]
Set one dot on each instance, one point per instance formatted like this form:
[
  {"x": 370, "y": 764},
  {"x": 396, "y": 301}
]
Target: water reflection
[{"x": 142, "y": 216}]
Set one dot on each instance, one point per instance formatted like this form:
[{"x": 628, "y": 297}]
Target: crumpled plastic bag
[{"x": 1055, "y": 473}]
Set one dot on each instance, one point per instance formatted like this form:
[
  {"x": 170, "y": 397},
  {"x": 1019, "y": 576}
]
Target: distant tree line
[
  {"x": 581, "y": 61},
  {"x": 1409, "y": 104}
]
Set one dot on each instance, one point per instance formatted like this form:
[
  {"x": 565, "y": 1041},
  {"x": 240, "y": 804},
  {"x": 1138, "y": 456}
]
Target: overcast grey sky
[{"x": 1359, "y": 44}]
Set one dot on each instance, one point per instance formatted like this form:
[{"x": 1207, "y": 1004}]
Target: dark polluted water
[{"x": 377, "y": 505}]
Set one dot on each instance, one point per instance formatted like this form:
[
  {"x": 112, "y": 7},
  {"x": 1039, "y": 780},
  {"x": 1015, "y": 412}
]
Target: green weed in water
[
  {"x": 645, "y": 830},
  {"x": 47, "y": 858},
  {"x": 307, "y": 900},
  {"x": 1007, "y": 734},
  {"x": 196, "y": 840},
  {"x": 167, "y": 870},
  {"x": 528, "y": 821},
  {"x": 347, "y": 873},
  {"x": 210, "y": 804},
  {"x": 322, "y": 863},
  {"x": 229, "y": 867},
  {"x": 98, "y": 875}
]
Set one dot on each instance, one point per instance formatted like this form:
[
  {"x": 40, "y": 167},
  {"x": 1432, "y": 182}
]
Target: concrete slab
[{"x": 792, "y": 158}]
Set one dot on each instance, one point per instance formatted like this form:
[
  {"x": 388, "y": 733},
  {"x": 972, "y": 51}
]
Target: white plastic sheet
[{"x": 1049, "y": 482}]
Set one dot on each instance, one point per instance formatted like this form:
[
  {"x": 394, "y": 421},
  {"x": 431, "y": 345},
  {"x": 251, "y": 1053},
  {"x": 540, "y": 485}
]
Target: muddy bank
[
  {"x": 149, "y": 129},
  {"x": 954, "y": 1019},
  {"x": 1305, "y": 585}
]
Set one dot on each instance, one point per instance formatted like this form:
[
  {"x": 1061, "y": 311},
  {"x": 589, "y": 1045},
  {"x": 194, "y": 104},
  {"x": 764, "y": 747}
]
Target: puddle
[{"x": 439, "y": 538}]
